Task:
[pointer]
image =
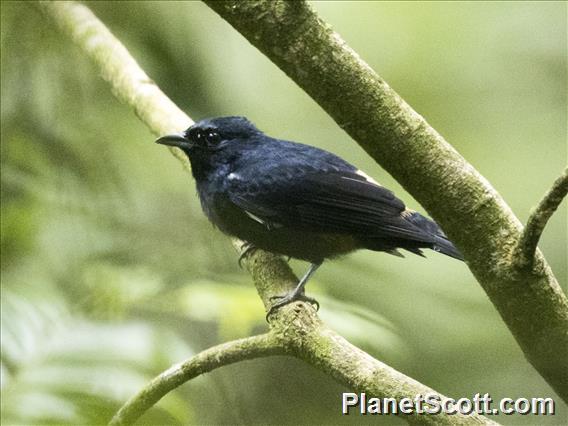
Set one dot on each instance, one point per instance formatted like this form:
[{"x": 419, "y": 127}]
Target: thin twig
[
  {"x": 524, "y": 253},
  {"x": 218, "y": 356}
]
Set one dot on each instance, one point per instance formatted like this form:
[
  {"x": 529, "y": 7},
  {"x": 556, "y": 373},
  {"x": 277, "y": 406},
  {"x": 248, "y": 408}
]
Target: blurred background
[{"x": 111, "y": 273}]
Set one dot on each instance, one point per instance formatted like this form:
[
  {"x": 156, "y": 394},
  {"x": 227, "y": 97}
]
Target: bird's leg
[
  {"x": 246, "y": 249},
  {"x": 297, "y": 293}
]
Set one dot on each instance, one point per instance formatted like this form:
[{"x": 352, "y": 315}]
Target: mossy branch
[
  {"x": 294, "y": 329},
  {"x": 128, "y": 81},
  {"x": 463, "y": 202},
  {"x": 204, "y": 362},
  {"x": 524, "y": 253}
]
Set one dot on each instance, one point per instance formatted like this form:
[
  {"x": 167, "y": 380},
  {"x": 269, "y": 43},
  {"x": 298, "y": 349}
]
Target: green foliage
[{"x": 110, "y": 273}]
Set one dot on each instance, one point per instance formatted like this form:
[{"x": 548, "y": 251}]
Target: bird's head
[{"x": 210, "y": 135}]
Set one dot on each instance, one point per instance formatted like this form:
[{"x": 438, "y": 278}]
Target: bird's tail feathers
[
  {"x": 441, "y": 243},
  {"x": 444, "y": 246}
]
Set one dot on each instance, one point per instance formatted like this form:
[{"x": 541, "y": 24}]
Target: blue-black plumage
[{"x": 297, "y": 200}]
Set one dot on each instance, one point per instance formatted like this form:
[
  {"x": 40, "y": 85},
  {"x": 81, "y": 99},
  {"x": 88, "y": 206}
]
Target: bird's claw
[
  {"x": 289, "y": 298},
  {"x": 246, "y": 249}
]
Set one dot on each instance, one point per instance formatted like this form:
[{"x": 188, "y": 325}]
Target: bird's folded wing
[{"x": 338, "y": 201}]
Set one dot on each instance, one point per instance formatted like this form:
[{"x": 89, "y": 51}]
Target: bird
[{"x": 297, "y": 200}]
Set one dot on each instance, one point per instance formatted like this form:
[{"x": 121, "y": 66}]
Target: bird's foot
[
  {"x": 246, "y": 249},
  {"x": 289, "y": 298}
]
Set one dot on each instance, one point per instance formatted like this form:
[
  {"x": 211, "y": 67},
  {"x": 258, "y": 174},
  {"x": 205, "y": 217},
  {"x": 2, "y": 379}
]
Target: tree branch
[
  {"x": 462, "y": 201},
  {"x": 204, "y": 362},
  {"x": 129, "y": 83},
  {"x": 306, "y": 337},
  {"x": 296, "y": 327},
  {"x": 524, "y": 253}
]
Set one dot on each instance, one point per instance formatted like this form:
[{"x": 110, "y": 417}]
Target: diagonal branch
[
  {"x": 218, "y": 356},
  {"x": 306, "y": 337},
  {"x": 524, "y": 253},
  {"x": 128, "y": 81},
  {"x": 463, "y": 202},
  {"x": 295, "y": 329}
]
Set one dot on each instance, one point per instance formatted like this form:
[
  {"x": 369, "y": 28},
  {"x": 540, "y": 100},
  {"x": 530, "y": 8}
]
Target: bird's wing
[{"x": 344, "y": 201}]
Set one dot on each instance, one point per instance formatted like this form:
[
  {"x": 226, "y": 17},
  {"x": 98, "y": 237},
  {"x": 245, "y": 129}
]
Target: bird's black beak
[{"x": 177, "y": 139}]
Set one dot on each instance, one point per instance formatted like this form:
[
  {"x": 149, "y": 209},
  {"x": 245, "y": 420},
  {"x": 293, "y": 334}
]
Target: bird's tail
[{"x": 441, "y": 243}]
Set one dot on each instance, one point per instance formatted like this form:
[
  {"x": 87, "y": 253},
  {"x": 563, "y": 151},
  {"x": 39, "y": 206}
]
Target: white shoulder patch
[
  {"x": 269, "y": 225},
  {"x": 367, "y": 177},
  {"x": 254, "y": 217},
  {"x": 233, "y": 176}
]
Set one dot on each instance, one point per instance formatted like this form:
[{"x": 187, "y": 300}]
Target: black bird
[{"x": 297, "y": 200}]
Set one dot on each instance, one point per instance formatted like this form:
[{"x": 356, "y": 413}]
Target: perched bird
[{"x": 297, "y": 200}]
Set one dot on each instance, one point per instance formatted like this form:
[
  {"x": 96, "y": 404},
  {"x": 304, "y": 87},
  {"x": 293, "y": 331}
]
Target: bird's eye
[{"x": 212, "y": 137}]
